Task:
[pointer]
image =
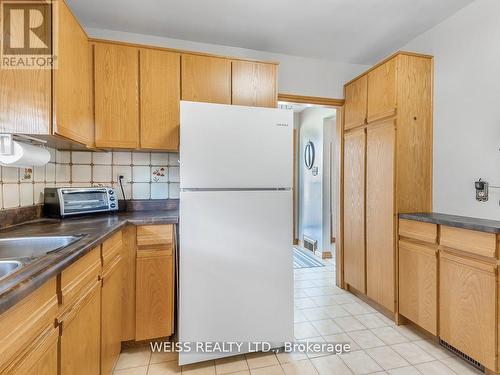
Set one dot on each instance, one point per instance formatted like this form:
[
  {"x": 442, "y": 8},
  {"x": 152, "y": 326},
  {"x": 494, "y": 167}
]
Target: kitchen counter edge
[
  {"x": 15, "y": 288},
  {"x": 463, "y": 222}
]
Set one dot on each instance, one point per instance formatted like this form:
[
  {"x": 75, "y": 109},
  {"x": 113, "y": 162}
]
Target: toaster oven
[{"x": 63, "y": 202}]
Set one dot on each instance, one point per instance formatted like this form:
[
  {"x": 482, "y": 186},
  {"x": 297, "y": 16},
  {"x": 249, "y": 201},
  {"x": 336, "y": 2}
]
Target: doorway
[{"x": 314, "y": 177}]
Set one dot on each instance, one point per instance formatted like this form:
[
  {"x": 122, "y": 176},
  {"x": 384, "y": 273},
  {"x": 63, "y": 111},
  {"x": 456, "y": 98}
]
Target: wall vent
[
  {"x": 462, "y": 355},
  {"x": 310, "y": 244}
]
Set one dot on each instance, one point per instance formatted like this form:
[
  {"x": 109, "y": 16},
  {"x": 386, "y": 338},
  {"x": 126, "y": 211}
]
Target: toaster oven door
[{"x": 77, "y": 201}]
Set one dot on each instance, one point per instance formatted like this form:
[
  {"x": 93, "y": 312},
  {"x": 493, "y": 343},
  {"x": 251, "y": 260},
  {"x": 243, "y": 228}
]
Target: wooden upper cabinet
[
  {"x": 160, "y": 77},
  {"x": 72, "y": 94},
  {"x": 382, "y": 91},
  {"x": 25, "y": 99},
  {"x": 354, "y": 209},
  {"x": 355, "y": 103},
  {"x": 206, "y": 79},
  {"x": 254, "y": 84},
  {"x": 380, "y": 213},
  {"x": 116, "y": 96}
]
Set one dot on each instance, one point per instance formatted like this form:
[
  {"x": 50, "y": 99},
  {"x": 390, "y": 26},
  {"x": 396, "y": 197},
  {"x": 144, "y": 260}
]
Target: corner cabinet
[
  {"x": 72, "y": 98},
  {"x": 53, "y": 102},
  {"x": 116, "y": 72},
  {"x": 389, "y": 110}
]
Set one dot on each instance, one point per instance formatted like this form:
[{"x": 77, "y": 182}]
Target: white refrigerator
[{"x": 235, "y": 256}]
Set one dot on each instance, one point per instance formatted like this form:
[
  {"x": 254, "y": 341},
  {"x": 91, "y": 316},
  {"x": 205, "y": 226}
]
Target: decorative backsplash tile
[{"x": 146, "y": 175}]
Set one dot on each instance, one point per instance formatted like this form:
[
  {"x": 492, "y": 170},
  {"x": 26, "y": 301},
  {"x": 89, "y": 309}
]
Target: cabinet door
[
  {"x": 154, "y": 294},
  {"x": 418, "y": 284},
  {"x": 160, "y": 77},
  {"x": 380, "y": 214},
  {"x": 111, "y": 316},
  {"x": 467, "y": 306},
  {"x": 72, "y": 81},
  {"x": 355, "y": 103},
  {"x": 116, "y": 96},
  {"x": 206, "y": 79},
  {"x": 25, "y": 96},
  {"x": 128, "y": 282},
  {"x": 254, "y": 84},
  {"x": 38, "y": 358},
  {"x": 382, "y": 91},
  {"x": 354, "y": 209},
  {"x": 80, "y": 340}
]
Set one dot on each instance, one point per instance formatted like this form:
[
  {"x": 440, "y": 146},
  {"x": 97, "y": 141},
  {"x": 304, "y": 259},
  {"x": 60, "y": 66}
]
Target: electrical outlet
[{"x": 481, "y": 190}]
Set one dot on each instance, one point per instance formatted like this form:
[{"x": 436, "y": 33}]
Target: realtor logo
[{"x": 29, "y": 31}]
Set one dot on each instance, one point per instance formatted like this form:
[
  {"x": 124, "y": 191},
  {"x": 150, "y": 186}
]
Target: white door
[
  {"x": 236, "y": 277},
  {"x": 226, "y": 146}
]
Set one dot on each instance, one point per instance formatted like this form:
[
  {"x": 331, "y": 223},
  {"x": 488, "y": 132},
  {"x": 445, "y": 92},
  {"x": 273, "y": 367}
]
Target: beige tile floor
[{"x": 323, "y": 312}]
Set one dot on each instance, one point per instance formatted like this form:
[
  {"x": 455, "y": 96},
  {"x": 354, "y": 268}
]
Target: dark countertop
[
  {"x": 464, "y": 222},
  {"x": 95, "y": 229}
]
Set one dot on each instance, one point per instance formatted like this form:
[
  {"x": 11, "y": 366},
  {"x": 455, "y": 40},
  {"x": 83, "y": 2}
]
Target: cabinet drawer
[
  {"x": 418, "y": 284},
  {"x": 467, "y": 308},
  {"x": 417, "y": 230},
  {"x": 111, "y": 248},
  {"x": 26, "y": 320},
  {"x": 155, "y": 235},
  {"x": 78, "y": 276},
  {"x": 479, "y": 243}
]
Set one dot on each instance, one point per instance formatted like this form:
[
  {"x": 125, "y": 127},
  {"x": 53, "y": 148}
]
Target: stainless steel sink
[
  {"x": 8, "y": 266},
  {"x": 33, "y": 247}
]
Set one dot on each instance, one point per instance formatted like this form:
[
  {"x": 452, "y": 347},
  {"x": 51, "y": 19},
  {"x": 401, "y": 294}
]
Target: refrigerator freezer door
[
  {"x": 236, "y": 277},
  {"x": 226, "y": 146}
]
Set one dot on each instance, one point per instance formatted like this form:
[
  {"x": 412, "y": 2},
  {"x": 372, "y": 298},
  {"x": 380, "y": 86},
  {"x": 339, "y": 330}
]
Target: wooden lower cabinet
[
  {"x": 128, "y": 282},
  {"x": 111, "y": 316},
  {"x": 80, "y": 340},
  {"x": 418, "y": 265},
  {"x": 40, "y": 358},
  {"x": 27, "y": 332},
  {"x": 154, "y": 293},
  {"x": 467, "y": 307}
]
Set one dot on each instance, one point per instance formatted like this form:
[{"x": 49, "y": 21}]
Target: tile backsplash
[{"x": 146, "y": 175}]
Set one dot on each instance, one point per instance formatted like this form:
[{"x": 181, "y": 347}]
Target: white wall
[
  {"x": 466, "y": 107},
  {"x": 297, "y": 75},
  {"x": 311, "y": 187}
]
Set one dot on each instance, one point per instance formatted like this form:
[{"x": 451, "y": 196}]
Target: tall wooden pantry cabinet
[{"x": 387, "y": 168}]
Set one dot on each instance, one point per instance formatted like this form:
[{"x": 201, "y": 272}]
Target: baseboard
[{"x": 324, "y": 254}]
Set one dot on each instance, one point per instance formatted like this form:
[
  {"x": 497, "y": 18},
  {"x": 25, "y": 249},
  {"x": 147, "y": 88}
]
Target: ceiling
[{"x": 353, "y": 31}]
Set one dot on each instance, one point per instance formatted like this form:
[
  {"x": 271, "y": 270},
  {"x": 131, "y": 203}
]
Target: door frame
[{"x": 338, "y": 170}]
